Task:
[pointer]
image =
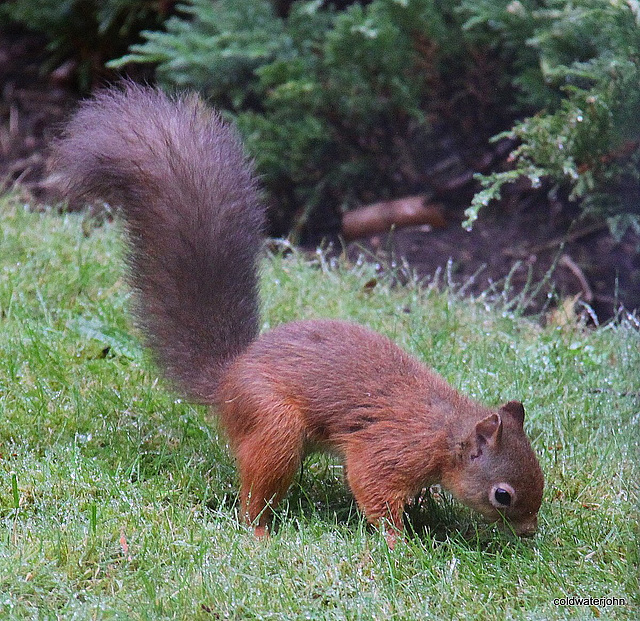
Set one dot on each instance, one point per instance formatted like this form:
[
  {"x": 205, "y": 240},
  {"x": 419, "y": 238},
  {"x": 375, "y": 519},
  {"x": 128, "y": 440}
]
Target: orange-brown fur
[
  {"x": 337, "y": 386},
  {"x": 190, "y": 204}
]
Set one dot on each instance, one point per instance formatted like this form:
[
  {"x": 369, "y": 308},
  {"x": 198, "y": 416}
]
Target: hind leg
[{"x": 268, "y": 458}]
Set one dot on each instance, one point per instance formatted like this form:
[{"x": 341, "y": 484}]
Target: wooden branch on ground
[{"x": 383, "y": 216}]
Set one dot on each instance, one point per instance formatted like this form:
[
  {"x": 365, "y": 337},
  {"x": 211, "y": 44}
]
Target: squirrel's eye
[{"x": 503, "y": 497}]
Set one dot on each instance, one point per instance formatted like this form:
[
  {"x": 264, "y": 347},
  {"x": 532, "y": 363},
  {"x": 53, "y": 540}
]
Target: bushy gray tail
[{"x": 189, "y": 199}]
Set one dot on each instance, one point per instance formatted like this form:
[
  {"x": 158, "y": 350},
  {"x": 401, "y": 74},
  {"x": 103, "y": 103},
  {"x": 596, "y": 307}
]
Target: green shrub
[
  {"x": 89, "y": 31},
  {"x": 332, "y": 104},
  {"x": 579, "y": 68},
  {"x": 336, "y": 105}
]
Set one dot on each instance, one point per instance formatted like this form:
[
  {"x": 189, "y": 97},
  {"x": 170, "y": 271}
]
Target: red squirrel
[{"x": 194, "y": 220}]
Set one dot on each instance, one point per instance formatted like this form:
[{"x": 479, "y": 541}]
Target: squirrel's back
[{"x": 189, "y": 199}]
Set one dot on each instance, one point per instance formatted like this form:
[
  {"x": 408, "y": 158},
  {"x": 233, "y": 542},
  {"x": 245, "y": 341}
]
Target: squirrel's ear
[
  {"x": 489, "y": 430},
  {"x": 514, "y": 409}
]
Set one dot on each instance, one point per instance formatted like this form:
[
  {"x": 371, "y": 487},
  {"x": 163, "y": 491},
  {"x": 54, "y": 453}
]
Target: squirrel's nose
[{"x": 526, "y": 528}]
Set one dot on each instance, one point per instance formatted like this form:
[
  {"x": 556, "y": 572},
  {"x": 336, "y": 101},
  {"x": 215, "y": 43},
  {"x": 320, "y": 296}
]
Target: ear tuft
[
  {"x": 489, "y": 430},
  {"x": 515, "y": 409}
]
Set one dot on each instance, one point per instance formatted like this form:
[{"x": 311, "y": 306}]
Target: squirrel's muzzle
[{"x": 526, "y": 528}]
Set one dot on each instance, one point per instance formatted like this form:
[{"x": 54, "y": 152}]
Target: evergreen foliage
[
  {"x": 334, "y": 105},
  {"x": 331, "y": 103},
  {"x": 578, "y": 66},
  {"x": 91, "y": 31},
  {"x": 339, "y": 106}
]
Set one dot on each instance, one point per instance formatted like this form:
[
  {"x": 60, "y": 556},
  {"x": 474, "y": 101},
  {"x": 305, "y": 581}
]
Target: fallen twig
[{"x": 385, "y": 215}]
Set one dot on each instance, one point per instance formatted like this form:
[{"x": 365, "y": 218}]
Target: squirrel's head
[{"x": 496, "y": 471}]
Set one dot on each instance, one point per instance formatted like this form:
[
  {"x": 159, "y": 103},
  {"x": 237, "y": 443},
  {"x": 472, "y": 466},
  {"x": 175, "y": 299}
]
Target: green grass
[{"x": 118, "y": 500}]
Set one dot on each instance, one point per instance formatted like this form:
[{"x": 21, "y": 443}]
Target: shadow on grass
[{"x": 320, "y": 496}]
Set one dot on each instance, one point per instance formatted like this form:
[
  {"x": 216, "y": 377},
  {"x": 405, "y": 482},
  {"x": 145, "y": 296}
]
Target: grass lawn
[{"x": 118, "y": 499}]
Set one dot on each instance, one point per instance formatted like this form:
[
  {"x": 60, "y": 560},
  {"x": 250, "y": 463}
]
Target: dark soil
[
  {"x": 524, "y": 241},
  {"x": 525, "y": 258},
  {"x": 31, "y": 105}
]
